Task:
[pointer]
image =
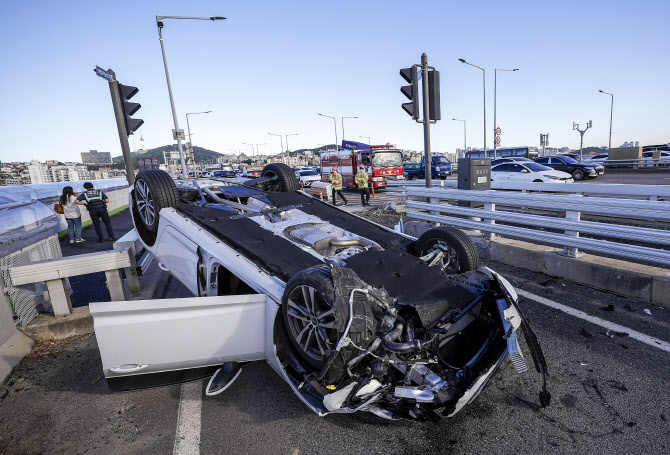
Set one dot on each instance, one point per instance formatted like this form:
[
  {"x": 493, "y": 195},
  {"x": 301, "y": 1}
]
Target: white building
[{"x": 39, "y": 173}]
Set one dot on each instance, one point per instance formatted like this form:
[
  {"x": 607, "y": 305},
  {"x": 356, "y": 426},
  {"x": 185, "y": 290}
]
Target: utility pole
[
  {"x": 609, "y": 146},
  {"x": 575, "y": 126}
]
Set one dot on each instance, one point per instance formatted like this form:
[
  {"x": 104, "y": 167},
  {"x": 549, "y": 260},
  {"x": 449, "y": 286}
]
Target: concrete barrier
[{"x": 14, "y": 345}]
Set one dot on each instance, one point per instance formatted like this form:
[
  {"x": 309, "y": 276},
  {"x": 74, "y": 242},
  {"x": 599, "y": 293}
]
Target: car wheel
[
  {"x": 444, "y": 177},
  {"x": 285, "y": 181},
  {"x": 154, "y": 190},
  {"x": 309, "y": 318},
  {"x": 578, "y": 174},
  {"x": 538, "y": 181},
  {"x": 449, "y": 248},
  {"x": 410, "y": 177}
]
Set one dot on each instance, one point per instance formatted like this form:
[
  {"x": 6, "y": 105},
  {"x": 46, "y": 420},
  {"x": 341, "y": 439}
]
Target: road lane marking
[
  {"x": 651, "y": 341},
  {"x": 187, "y": 437}
]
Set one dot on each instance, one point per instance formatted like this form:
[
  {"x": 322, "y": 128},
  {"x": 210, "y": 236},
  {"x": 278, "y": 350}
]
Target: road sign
[
  {"x": 498, "y": 140},
  {"x": 180, "y": 134},
  {"x": 103, "y": 74},
  {"x": 498, "y": 130}
]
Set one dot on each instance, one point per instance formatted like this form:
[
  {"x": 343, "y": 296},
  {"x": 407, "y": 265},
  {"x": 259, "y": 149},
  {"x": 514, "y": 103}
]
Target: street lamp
[
  {"x": 575, "y": 126},
  {"x": 495, "y": 98},
  {"x": 288, "y": 158},
  {"x": 257, "y": 152},
  {"x": 611, "y": 112},
  {"x": 484, "y": 84},
  {"x": 281, "y": 140},
  {"x": 159, "y": 23},
  {"x": 343, "y": 125},
  {"x": 465, "y": 137},
  {"x": 366, "y": 137},
  {"x": 188, "y": 126},
  {"x": 334, "y": 123}
]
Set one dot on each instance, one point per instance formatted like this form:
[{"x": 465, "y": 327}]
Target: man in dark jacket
[{"x": 96, "y": 204}]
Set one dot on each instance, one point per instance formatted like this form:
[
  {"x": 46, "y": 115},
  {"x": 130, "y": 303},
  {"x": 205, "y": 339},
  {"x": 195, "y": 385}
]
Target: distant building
[
  {"x": 95, "y": 157},
  {"x": 52, "y": 162},
  {"x": 39, "y": 173}
]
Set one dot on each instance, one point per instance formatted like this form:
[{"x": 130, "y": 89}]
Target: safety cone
[
  {"x": 373, "y": 191},
  {"x": 321, "y": 194}
]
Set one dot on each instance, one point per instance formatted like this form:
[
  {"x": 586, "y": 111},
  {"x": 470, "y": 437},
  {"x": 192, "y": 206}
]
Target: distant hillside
[{"x": 201, "y": 154}]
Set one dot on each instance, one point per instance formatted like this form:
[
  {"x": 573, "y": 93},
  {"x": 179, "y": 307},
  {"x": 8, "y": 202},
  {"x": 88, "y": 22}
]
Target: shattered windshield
[{"x": 390, "y": 158}]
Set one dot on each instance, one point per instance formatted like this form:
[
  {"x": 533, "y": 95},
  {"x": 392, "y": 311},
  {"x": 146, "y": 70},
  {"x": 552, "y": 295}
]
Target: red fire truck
[{"x": 382, "y": 163}]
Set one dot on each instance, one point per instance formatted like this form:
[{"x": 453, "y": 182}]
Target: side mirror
[{"x": 525, "y": 170}]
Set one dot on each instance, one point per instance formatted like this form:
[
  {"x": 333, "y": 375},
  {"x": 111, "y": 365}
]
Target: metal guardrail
[
  {"x": 625, "y": 191},
  {"x": 54, "y": 272},
  {"x": 484, "y": 219}
]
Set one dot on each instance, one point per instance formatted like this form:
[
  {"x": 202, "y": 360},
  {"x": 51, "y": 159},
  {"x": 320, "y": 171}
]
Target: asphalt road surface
[{"x": 610, "y": 394}]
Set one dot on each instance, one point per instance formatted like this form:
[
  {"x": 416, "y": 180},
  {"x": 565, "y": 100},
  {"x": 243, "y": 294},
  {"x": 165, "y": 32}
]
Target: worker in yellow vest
[
  {"x": 361, "y": 180},
  {"x": 335, "y": 179}
]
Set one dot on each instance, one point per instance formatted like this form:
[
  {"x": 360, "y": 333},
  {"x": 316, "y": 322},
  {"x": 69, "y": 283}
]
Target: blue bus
[{"x": 517, "y": 152}]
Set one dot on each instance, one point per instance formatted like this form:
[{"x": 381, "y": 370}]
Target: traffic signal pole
[
  {"x": 121, "y": 126},
  {"x": 426, "y": 122}
]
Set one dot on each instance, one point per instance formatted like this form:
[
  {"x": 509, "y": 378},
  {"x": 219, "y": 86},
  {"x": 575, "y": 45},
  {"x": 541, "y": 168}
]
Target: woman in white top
[{"x": 72, "y": 215}]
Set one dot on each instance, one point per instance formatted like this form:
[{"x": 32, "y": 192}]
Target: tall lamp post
[
  {"x": 575, "y": 126},
  {"x": 281, "y": 140},
  {"x": 188, "y": 127},
  {"x": 257, "y": 152},
  {"x": 366, "y": 137},
  {"x": 465, "y": 136},
  {"x": 334, "y": 123},
  {"x": 609, "y": 146},
  {"x": 484, "y": 85},
  {"x": 495, "y": 99},
  {"x": 343, "y": 125},
  {"x": 159, "y": 23},
  {"x": 288, "y": 157}
]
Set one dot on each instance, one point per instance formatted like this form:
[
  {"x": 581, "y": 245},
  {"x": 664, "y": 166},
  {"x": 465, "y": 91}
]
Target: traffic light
[
  {"x": 434, "y": 95},
  {"x": 411, "y": 91},
  {"x": 126, "y": 92}
]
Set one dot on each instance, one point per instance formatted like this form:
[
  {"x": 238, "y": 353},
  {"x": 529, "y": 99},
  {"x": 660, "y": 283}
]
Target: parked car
[
  {"x": 649, "y": 160},
  {"x": 441, "y": 168},
  {"x": 354, "y": 316},
  {"x": 527, "y": 172},
  {"x": 596, "y": 158},
  {"x": 578, "y": 170},
  {"x": 508, "y": 160},
  {"x": 307, "y": 176},
  {"x": 224, "y": 173}
]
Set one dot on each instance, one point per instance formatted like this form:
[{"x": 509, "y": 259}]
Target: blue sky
[{"x": 271, "y": 66}]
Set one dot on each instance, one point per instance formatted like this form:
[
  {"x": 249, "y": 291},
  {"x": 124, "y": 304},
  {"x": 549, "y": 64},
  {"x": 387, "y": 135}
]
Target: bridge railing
[
  {"x": 624, "y": 191},
  {"x": 618, "y": 240}
]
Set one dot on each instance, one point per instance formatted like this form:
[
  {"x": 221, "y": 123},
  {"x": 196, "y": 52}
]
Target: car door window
[
  {"x": 543, "y": 161},
  {"x": 507, "y": 168}
]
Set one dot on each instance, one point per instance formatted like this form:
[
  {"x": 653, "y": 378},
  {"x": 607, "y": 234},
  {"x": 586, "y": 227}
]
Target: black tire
[
  {"x": 154, "y": 190},
  {"x": 444, "y": 177},
  {"x": 319, "y": 279},
  {"x": 410, "y": 177},
  {"x": 286, "y": 181},
  {"x": 461, "y": 253},
  {"x": 578, "y": 174},
  {"x": 538, "y": 181}
]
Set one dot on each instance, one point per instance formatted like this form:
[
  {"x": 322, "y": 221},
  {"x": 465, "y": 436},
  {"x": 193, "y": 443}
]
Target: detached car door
[{"x": 148, "y": 343}]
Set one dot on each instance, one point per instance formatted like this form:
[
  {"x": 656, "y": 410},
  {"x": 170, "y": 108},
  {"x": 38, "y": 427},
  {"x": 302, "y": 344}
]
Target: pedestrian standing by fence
[
  {"x": 361, "y": 181},
  {"x": 96, "y": 204},
  {"x": 335, "y": 179},
  {"x": 72, "y": 214}
]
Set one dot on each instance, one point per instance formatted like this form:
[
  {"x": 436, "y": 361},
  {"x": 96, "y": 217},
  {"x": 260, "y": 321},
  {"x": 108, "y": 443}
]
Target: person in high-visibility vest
[
  {"x": 96, "y": 204},
  {"x": 361, "y": 180},
  {"x": 335, "y": 179}
]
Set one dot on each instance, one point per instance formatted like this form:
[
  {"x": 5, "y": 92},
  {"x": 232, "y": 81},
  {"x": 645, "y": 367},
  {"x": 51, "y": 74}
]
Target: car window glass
[
  {"x": 543, "y": 161},
  {"x": 507, "y": 168},
  {"x": 536, "y": 167}
]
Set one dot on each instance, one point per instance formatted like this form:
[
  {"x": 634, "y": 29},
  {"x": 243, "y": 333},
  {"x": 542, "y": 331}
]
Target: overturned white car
[{"x": 352, "y": 315}]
